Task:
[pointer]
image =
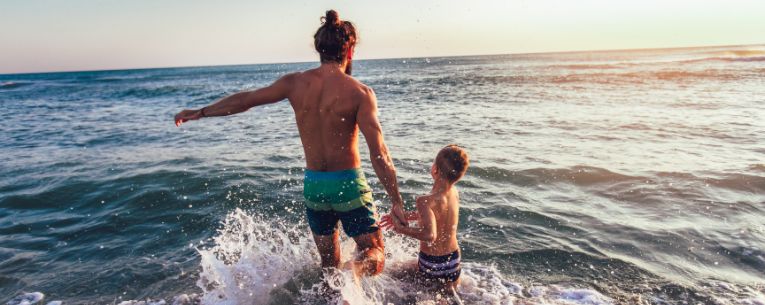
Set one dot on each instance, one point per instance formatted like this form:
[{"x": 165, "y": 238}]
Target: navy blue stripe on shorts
[{"x": 445, "y": 268}]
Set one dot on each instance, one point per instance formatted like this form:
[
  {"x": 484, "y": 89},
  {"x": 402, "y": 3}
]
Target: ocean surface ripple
[{"x": 629, "y": 177}]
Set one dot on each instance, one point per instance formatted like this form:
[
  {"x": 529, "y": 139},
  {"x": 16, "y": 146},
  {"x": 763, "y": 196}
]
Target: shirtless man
[{"x": 330, "y": 108}]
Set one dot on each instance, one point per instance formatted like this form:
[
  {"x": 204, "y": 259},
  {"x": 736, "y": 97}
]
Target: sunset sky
[{"x": 54, "y": 35}]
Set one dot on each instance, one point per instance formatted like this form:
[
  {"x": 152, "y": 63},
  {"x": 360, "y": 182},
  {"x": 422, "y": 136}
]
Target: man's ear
[{"x": 350, "y": 52}]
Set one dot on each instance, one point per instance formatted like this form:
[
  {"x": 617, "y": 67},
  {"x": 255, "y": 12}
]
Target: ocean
[{"x": 619, "y": 177}]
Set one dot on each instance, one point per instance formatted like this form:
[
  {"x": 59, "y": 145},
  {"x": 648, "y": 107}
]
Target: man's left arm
[{"x": 240, "y": 102}]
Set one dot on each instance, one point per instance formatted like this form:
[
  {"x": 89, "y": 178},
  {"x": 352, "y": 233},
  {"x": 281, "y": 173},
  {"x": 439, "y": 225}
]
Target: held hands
[
  {"x": 187, "y": 115},
  {"x": 388, "y": 222},
  {"x": 397, "y": 211}
]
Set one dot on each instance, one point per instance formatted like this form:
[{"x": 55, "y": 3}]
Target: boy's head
[{"x": 450, "y": 164}]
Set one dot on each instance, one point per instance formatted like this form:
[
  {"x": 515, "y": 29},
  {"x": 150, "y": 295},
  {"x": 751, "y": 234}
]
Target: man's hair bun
[{"x": 332, "y": 18}]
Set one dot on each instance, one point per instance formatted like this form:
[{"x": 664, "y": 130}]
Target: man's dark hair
[{"x": 334, "y": 39}]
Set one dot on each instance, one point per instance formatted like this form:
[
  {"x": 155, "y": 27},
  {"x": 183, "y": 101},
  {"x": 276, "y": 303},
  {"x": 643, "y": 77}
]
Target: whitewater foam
[
  {"x": 255, "y": 260},
  {"x": 30, "y": 299}
]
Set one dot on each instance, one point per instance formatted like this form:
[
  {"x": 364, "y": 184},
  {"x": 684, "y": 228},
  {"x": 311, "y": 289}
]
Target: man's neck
[{"x": 334, "y": 66}]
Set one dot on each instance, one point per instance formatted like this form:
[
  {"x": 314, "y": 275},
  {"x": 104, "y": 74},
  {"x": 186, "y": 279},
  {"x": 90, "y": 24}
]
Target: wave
[
  {"x": 13, "y": 85},
  {"x": 586, "y": 176},
  {"x": 595, "y": 76},
  {"x": 254, "y": 260},
  {"x": 643, "y": 76},
  {"x": 578, "y": 175},
  {"x": 742, "y": 55},
  {"x": 154, "y": 92},
  {"x": 592, "y": 66},
  {"x": 259, "y": 259}
]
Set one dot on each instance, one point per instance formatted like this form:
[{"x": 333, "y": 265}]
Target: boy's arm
[
  {"x": 386, "y": 222},
  {"x": 426, "y": 229},
  {"x": 240, "y": 102},
  {"x": 412, "y": 215}
]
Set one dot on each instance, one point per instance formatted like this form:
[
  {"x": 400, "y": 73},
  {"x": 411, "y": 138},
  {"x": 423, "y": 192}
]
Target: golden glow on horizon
[{"x": 49, "y": 35}]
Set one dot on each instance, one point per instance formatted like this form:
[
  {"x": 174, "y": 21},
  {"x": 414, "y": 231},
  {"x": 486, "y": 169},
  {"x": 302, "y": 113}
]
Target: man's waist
[{"x": 340, "y": 175}]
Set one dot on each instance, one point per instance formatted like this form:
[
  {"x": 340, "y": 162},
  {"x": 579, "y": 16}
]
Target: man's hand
[
  {"x": 398, "y": 213},
  {"x": 187, "y": 115}
]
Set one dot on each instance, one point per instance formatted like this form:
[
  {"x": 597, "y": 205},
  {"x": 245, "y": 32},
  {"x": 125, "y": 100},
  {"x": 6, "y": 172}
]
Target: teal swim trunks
[{"x": 340, "y": 196}]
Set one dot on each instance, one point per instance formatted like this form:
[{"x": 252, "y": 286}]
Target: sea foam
[{"x": 257, "y": 261}]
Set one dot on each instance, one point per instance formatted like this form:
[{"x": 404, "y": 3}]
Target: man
[{"x": 330, "y": 108}]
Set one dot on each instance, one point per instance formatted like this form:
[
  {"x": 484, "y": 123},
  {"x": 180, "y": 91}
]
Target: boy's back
[
  {"x": 438, "y": 216},
  {"x": 444, "y": 208}
]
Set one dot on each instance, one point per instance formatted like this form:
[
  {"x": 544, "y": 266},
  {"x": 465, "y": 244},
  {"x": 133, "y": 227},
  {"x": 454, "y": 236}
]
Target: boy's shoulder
[
  {"x": 431, "y": 199},
  {"x": 424, "y": 199}
]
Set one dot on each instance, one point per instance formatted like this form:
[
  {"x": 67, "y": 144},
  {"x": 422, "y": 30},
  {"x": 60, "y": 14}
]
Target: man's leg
[
  {"x": 370, "y": 259},
  {"x": 329, "y": 249},
  {"x": 325, "y": 234}
]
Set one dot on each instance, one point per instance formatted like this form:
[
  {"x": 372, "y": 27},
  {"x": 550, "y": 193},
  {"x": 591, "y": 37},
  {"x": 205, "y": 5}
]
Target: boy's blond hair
[{"x": 452, "y": 162}]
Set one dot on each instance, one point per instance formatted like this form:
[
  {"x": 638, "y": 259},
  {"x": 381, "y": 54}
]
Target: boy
[{"x": 437, "y": 215}]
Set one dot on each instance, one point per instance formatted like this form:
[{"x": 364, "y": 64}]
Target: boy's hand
[
  {"x": 397, "y": 226},
  {"x": 386, "y": 222}
]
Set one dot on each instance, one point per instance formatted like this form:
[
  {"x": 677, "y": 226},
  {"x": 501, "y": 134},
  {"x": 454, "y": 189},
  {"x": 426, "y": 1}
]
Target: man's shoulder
[
  {"x": 360, "y": 88},
  {"x": 296, "y": 76}
]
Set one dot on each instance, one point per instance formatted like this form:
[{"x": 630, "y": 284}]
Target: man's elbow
[{"x": 380, "y": 160}]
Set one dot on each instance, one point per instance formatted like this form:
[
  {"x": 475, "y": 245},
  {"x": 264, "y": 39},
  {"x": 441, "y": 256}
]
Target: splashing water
[{"x": 256, "y": 260}]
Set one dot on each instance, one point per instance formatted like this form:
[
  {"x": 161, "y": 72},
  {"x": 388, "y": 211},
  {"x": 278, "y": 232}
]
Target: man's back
[
  {"x": 331, "y": 108},
  {"x": 326, "y": 103}
]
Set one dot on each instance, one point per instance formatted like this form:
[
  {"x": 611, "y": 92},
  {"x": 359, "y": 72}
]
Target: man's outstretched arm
[
  {"x": 378, "y": 152},
  {"x": 240, "y": 102}
]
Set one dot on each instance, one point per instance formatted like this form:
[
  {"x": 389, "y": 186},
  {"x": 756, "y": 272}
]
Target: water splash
[{"x": 255, "y": 260}]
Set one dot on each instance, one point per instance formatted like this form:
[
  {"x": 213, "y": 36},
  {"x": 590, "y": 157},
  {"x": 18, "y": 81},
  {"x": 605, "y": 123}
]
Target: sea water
[{"x": 625, "y": 177}]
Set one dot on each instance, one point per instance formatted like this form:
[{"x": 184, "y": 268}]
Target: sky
[{"x": 72, "y": 35}]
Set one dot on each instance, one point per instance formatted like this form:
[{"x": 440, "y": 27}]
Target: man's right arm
[
  {"x": 240, "y": 102},
  {"x": 370, "y": 127}
]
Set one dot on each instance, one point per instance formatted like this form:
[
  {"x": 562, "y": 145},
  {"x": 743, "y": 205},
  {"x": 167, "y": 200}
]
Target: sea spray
[
  {"x": 250, "y": 257},
  {"x": 259, "y": 260}
]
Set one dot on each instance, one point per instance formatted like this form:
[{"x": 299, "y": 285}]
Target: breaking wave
[{"x": 257, "y": 261}]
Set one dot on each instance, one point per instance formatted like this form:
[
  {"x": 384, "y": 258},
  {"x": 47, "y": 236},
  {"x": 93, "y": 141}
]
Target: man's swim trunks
[
  {"x": 444, "y": 268},
  {"x": 342, "y": 196}
]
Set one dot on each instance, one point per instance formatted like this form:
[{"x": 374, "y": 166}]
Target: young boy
[{"x": 437, "y": 216}]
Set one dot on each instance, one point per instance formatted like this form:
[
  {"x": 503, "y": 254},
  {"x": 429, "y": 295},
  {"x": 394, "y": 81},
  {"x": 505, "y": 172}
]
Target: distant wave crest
[
  {"x": 13, "y": 85},
  {"x": 737, "y": 55},
  {"x": 585, "y": 176}
]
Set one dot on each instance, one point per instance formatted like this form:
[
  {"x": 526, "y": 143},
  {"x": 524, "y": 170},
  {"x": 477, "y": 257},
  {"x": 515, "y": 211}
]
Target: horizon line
[{"x": 386, "y": 58}]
